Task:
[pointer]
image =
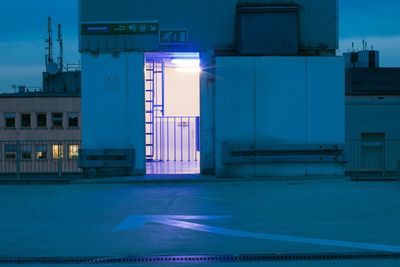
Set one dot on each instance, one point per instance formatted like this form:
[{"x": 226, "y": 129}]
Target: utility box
[{"x": 268, "y": 30}]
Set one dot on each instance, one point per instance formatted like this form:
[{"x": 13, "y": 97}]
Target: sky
[{"x": 23, "y": 28}]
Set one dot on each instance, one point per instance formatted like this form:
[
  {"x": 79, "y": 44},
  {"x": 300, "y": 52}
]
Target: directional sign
[
  {"x": 120, "y": 28},
  {"x": 137, "y": 222},
  {"x": 173, "y": 37}
]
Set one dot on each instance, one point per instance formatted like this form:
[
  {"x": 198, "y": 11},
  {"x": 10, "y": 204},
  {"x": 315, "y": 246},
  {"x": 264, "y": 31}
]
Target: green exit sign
[
  {"x": 173, "y": 37},
  {"x": 120, "y": 28}
]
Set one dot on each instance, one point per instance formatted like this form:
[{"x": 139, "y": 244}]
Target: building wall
[
  {"x": 34, "y": 105},
  {"x": 210, "y": 24},
  {"x": 372, "y": 114},
  {"x": 278, "y": 101},
  {"x": 113, "y": 103}
]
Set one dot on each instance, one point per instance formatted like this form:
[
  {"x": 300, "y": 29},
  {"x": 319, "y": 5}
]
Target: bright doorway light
[
  {"x": 187, "y": 62},
  {"x": 187, "y": 65},
  {"x": 188, "y": 69}
]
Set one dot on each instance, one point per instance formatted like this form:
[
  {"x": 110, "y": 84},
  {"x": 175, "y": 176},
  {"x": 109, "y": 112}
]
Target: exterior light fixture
[
  {"x": 188, "y": 69},
  {"x": 187, "y": 65}
]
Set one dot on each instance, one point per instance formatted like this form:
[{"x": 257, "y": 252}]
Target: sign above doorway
[{"x": 120, "y": 28}]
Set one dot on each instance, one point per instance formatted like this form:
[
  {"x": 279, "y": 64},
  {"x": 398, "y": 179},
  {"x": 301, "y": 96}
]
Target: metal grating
[{"x": 204, "y": 258}]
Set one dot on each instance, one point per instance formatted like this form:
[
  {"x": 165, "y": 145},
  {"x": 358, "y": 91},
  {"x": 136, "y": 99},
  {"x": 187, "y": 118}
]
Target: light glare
[
  {"x": 189, "y": 62},
  {"x": 188, "y": 69}
]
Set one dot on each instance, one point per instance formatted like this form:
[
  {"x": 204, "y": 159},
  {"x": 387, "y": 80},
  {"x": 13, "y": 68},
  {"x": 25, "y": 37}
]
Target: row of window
[
  {"x": 57, "y": 119},
  {"x": 41, "y": 152}
]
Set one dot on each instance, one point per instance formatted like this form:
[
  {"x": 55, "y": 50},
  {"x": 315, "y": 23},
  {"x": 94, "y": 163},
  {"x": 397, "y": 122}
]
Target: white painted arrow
[{"x": 180, "y": 221}]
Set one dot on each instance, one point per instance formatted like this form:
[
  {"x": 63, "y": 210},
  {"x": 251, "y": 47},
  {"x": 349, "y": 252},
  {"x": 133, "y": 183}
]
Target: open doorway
[{"x": 172, "y": 100}]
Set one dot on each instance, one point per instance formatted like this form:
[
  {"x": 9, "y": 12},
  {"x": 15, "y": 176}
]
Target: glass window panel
[
  {"x": 41, "y": 151},
  {"x": 10, "y": 151},
  {"x": 73, "y": 120},
  {"x": 10, "y": 120},
  {"x": 57, "y": 119},
  {"x": 41, "y": 120},
  {"x": 73, "y": 151},
  {"x": 58, "y": 151},
  {"x": 25, "y": 120}
]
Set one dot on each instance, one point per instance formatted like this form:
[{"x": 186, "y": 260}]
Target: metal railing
[
  {"x": 379, "y": 157},
  {"x": 28, "y": 158},
  {"x": 176, "y": 138}
]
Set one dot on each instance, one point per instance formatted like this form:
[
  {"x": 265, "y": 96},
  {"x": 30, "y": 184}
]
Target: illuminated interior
[{"x": 172, "y": 99}]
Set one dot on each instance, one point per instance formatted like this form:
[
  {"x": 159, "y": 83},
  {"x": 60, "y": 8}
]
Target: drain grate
[{"x": 202, "y": 258}]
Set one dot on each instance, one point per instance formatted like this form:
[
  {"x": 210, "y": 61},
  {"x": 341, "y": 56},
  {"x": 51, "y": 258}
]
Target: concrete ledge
[
  {"x": 5, "y": 181},
  {"x": 169, "y": 179}
]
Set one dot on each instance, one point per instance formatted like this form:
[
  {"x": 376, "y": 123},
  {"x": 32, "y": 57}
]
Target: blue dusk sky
[{"x": 24, "y": 23}]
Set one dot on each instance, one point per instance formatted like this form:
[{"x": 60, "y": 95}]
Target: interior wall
[{"x": 182, "y": 93}]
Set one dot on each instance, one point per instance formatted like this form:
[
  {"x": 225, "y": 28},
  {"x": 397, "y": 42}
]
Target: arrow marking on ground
[{"x": 137, "y": 222}]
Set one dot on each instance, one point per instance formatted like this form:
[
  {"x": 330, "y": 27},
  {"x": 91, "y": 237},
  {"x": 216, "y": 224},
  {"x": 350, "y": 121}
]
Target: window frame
[
  {"x": 37, "y": 120},
  {"x": 41, "y": 150},
  {"x": 61, "y": 146},
  {"x": 53, "y": 119},
  {"x": 75, "y": 157},
  {"x": 73, "y": 117},
  {"x": 6, "y": 153},
  {"x": 26, "y": 149},
  {"x": 22, "y": 120},
  {"x": 6, "y": 118}
]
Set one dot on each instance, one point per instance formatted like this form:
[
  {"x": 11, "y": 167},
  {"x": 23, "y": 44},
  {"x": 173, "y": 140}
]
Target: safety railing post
[
  {"x": 384, "y": 158},
  {"x": 59, "y": 159},
  {"x": 18, "y": 159}
]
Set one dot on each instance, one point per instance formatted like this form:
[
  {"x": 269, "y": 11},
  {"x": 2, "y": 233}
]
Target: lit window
[
  {"x": 41, "y": 151},
  {"x": 10, "y": 120},
  {"x": 25, "y": 120},
  {"x": 58, "y": 151},
  {"x": 26, "y": 152},
  {"x": 57, "y": 119},
  {"x": 10, "y": 151},
  {"x": 41, "y": 120},
  {"x": 73, "y": 151},
  {"x": 73, "y": 120}
]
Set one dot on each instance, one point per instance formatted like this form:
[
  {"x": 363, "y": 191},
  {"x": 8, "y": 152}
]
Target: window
[
  {"x": 41, "y": 152},
  {"x": 26, "y": 152},
  {"x": 73, "y": 151},
  {"x": 57, "y": 119},
  {"x": 10, "y": 120},
  {"x": 10, "y": 151},
  {"x": 58, "y": 152},
  {"x": 73, "y": 120},
  {"x": 25, "y": 120},
  {"x": 41, "y": 120}
]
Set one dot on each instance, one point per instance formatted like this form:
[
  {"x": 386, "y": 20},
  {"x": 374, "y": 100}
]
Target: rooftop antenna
[
  {"x": 365, "y": 45},
  {"x": 49, "y": 41},
  {"x": 61, "y": 42},
  {"x": 51, "y": 66}
]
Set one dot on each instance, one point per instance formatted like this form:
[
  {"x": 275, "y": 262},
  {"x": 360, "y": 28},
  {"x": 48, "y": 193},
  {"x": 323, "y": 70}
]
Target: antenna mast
[
  {"x": 49, "y": 40},
  {"x": 61, "y": 42}
]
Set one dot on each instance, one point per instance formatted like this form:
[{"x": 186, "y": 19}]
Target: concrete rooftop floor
[{"x": 256, "y": 217}]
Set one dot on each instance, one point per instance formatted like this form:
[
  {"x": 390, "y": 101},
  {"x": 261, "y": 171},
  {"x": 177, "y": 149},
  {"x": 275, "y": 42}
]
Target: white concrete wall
[
  {"x": 210, "y": 23},
  {"x": 113, "y": 103},
  {"x": 371, "y": 114},
  {"x": 278, "y": 101}
]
